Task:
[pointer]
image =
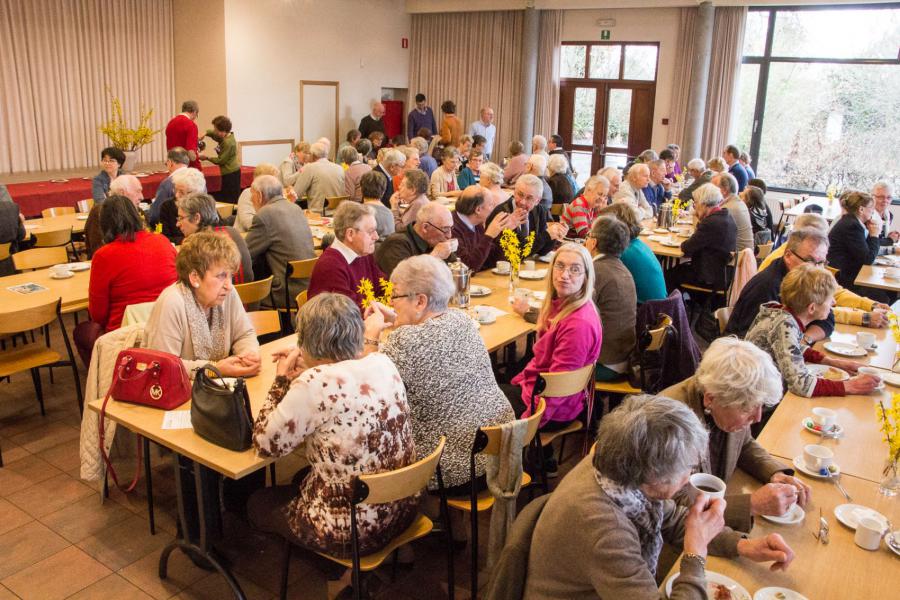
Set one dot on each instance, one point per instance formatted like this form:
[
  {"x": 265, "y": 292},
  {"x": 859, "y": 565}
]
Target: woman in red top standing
[{"x": 133, "y": 266}]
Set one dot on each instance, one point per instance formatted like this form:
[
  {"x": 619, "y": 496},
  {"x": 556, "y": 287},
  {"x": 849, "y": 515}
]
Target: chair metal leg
[
  {"x": 149, "y": 483},
  {"x": 38, "y": 390}
]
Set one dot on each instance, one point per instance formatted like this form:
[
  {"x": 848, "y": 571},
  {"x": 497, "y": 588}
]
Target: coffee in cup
[
  {"x": 865, "y": 340},
  {"x": 868, "y": 533},
  {"x": 817, "y": 457},
  {"x": 824, "y": 417},
  {"x": 708, "y": 485}
]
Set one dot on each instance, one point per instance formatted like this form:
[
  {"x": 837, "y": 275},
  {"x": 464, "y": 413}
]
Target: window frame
[
  {"x": 621, "y": 77},
  {"x": 766, "y": 60}
]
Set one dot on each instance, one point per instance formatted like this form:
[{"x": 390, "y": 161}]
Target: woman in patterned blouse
[{"x": 351, "y": 413}]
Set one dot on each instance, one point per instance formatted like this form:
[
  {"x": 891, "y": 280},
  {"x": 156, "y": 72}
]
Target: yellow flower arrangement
[
  {"x": 890, "y": 427},
  {"x": 679, "y": 177},
  {"x": 121, "y": 135},
  {"x": 515, "y": 254},
  {"x": 679, "y": 205},
  {"x": 367, "y": 291}
]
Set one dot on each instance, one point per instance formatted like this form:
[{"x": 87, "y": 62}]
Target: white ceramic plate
[
  {"x": 809, "y": 424},
  {"x": 477, "y": 291},
  {"x": 79, "y": 266},
  {"x": 533, "y": 275},
  {"x": 885, "y": 261},
  {"x": 495, "y": 271},
  {"x": 68, "y": 275},
  {"x": 845, "y": 349},
  {"x": 81, "y": 217},
  {"x": 777, "y": 593},
  {"x": 713, "y": 579},
  {"x": 59, "y": 181},
  {"x": 834, "y": 374},
  {"x": 896, "y": 537},
  {"x": 488, "y": 321},
  {"x": 539, "y": 295},
  {"x": 142, "y": 174},
  {"x": 891, "y": 379},
  {"x": 670, "y": 243},
  {"x": 794, "y": 515},
  {"x": 850, "y": 514},
  {"x": 87, "y": 178},
  {"x": 800, "y": 464},
  {"x": 645, "y": 232},
  {"x": 660, "y": 230},
  {"x": 535, "y": 304},
  {"x": 547, "y": 257}
]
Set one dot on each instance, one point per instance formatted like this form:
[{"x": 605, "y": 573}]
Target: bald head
[
  {"x": 377, "y": 110},
  {"x": 434, "y": 223},
  {"x": 128, "y": 186}
]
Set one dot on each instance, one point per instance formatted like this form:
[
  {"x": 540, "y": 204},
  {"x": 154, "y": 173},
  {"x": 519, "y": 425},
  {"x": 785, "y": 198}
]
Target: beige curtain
[
  {"x": 546, "y": 109},
  {"x": 681, "y": 90},
  {"x": 725, "y": 64},
  {"x": 473, "y": 59},
  {"x": 59, "y": 56}
]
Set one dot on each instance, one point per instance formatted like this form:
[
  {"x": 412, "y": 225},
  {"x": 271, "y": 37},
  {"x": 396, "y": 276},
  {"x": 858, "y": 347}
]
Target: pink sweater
[{"x": 573, "y": 343}]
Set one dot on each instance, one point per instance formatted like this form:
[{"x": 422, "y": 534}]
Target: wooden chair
[
  {"x": 301, "y": 299},
  {"x": 39, "y": 258},
  {"x": 57, "y": 211},
  {"x": 4, "y": 250},
  {"x": 487, "y": 441},
  {"x": 722, "y": 316},
  {"x": 331, "y": 203},
  {"x": 381, "y": 488},
  {"x": 255, "y": 291},
  {"x": 710, "y": 294},
  {"x": 33, "y": 356},
  {"x": 557, "y": 209},
  {"x": 225, "y": 210},
  {"x": 85, "y": 206},
  {"x": 55, "y": 237},
  {"x": 763, "y": 250},
  {"x": 264, "y": 322},
  {"x": 296, "y": 269}
]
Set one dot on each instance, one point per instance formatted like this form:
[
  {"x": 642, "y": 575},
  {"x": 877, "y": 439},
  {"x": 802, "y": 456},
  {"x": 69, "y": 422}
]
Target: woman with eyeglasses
[
  {"x": 568, "y": 338},
  {"x": 197, "y": 212}
]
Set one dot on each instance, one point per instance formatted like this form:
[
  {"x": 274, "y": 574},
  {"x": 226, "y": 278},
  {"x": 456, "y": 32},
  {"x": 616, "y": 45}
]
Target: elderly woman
[
  {"x": 614, "y": 296},
  {"x": 443, "y": 180},
  {"x": 444, "y": 365},
  {"x": 115, "y": 282},
  {"x": 411, "y": 195},
  {"x": 568, "y": 338},
  {"x": 515, "y": 162},
  {"x": 734, "y": 383},
  {"x": 490, "y": 177},
  {"x": 351, "y": 413},
  {"x": 717, "y": 164},
  {"x": 186, "y": 182},
  {"x": 372, "y": 186},
  {"x": 559, "y": 184},
  {"x": 711, "y": 245},
  {"x": 638, "y": 258},
  {"x": 349, "y": 260},
  {"x": 226, "y": 159},
  {"x": 807, "y": 295},
  {"x": 426, "y": 163},
  {"x": 579, "y": 215},
  {"x": 353, "y": 173},
  {"x": 621, "y": 500},
  {"x": 197, "y": 212},
  {"x": 290, "y": 167},
  {"x": 471, "y": 171},
  {"x": 760, "y": 215},
  {"x": 111, "y": 161}
]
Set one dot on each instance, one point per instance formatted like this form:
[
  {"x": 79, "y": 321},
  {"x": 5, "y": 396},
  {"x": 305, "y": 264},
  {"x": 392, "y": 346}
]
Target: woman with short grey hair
[
  {"x": 351, "y": 412},
  {"x": 348, "y": 155},
  {"x": 621, "y": 500},
  {"x": 491, "y": 179},
  {"x": 734, "y": 383},
  {"x": 197, "y": 212},
  {"x": 410, "y": 197},
  {"x": 443, "y": 362}
]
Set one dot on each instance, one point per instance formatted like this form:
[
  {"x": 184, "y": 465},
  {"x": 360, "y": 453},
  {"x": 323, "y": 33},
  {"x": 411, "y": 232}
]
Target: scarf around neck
[
  {"x": 645, "y": 514},
  {"x": 207, "y": 333}
]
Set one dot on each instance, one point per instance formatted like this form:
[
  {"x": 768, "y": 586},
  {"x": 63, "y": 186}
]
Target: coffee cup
[
  {"x": 870, "y": 371},
  {"x": 60, "y": 270},
  {"x": 868, "y": 533},
  {"x": 523, "y": 293},
  {"x": 708, "y": 485},
  {"x": 528, "y": 265},
  {"x": 454, "y": 244},
  {"x": 865, "y": 339},
  {"x": 817, "y": 457},
  {"x": 503, "y": 267},
  {"x": 824, "y": 417},
  {"x": 482, "y": 314}
]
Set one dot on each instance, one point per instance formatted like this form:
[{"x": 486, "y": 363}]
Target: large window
[{"x": 819, "y": 96}]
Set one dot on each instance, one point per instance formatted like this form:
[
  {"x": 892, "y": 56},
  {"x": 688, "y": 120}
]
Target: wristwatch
[
  {"x": 697, "y": 557},
  {"x": 807, "y": 341}
]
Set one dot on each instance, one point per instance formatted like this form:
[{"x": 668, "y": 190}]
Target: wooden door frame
[{"x": 337, "y": 105}]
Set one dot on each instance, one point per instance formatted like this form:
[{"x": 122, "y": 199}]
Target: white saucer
[
  {"x": 845, "y": 349},
  {"x": 891, "y": 379},
  {"x": 808, "y": 424},
  {"x": 777, "y": 593},
  {"x": 821, "y": 370},
  {"x": 539, "y": 295},
  {"x": 69, "y": 275},
  {"x": 895, "y": 535},
  {"x": 81, "y": 217},
  {"x": 670, "y": 243},
  {"x": 801, "y": 466},
  {"x": 497, "y": 272},
  {"x": 850, "y": 514},
  {"x": 547, "y": 257},
  {"x": 478, "y": 291},
  {"x": 738, "y": 592},
  {"x": 59, "y": 181},
  {"x": 645, "y": 232},
  {"x": 79, "y": 266},
  {"x": 660, "y": 230},
  {"x": 533, "y": 275},
  {"x": 794, "y": 515},
  {"x": 490, "y": 321}
]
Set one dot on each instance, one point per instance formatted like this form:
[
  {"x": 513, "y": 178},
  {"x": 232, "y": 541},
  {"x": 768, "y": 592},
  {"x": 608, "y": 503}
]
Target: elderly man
[
  {"x": 805, "y": 245},
  {"x": 186, "y": 182},
  {"x": 430, "y": 234},
  {"x": 181, "y": 131},
  {"x": 526, "y": 215},
  {"x": 555, "y": 146},
  {"x": 537, "y": 165},
  {"x": 426, "y": 162},
  {"x": 372, "y": 122},
  {"x": 123, "y": 185},
  {"x": 349, "y": 259},
  {"x": 882, "y": 194},
  {"x": 643, "y": 158},
  {"x": 657, "y": 191},
  {"x": 176, "y": 158},
  {"x": 391, "y": 166},
  {"x": 319, "y": 179},
  {"x": 279, "y": 234},
  {"x": 539, "y": 146},
  {"x": 738, "y": 211},
  {"x": 631, "y": 190},
  {"x": 732, "y": 155},
  {"x": 421, "y": 117},
  {"x": 485, "y": 127},
  {"x": 476, "y": 241},
  {"x": 12, "y": 228},
  {"x": 697, "y": 170},
  {"x": 614, "y": 176}
]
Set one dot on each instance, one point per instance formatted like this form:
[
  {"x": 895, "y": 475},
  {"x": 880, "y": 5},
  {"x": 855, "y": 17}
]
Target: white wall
[
  {"x": 660, "y": 25},
  {"x": 270, "y": 45}
]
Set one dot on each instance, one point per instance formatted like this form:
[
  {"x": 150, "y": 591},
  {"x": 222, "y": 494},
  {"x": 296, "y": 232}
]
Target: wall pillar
[
  {"x": 530, "y": 36},
  {"x": 696, "y": 108}
]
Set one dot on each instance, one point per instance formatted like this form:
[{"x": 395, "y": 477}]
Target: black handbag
[{"x": 220, "y": 414}]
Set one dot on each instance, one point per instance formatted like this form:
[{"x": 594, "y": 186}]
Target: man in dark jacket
[
  {"x": 470, "y": 228},
  {"x": 12, "y": 228},
  {"x": 526, "y": 216},
  {"x": 430, "y": 234},
  {"x": 806, "y": 245}
]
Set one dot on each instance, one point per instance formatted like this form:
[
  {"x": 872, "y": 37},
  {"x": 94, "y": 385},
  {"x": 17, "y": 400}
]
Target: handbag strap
[{"x": 102, "y": 435}]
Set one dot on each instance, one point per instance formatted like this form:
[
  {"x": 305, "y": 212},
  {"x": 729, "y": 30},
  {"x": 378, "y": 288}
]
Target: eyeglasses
[
  {"x": 810, "y": 260},
  {"x": 574, "y": 270},
  {"x": 445, "y": 230},
  {"x": 369, "y": 232},
  {"x": 180, "y": 218},
  {"x": 398, "y": 296}
]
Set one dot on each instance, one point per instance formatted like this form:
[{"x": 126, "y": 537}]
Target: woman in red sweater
[{"x": 133, "y": 266}]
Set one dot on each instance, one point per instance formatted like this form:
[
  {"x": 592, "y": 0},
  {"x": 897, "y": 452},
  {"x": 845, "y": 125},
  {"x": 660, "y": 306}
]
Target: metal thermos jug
[{"x": 461, "y": 276}]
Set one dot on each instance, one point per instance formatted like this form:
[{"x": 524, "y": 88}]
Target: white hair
[
  {"x": 492, "y": 172},
  {"x": 557, "y": 164},
  {"x": 325, "y": 142},
  {"x": 697, "y": 164},
  {"x": 739, "y": 373},
  {"x": 125, "y": 185},
  {"x": 538, "y": 142},
  {"x": 392, "y": 158},
  {"x": 318, "y": 150},
  {"x": 707, "y": 195},
  {"x": 532, "y": 181},
  {"x": 609, "y": 173},
  {"x": 538, "y": 164},
  {"x": 597, "y": 180},
  {"x": 883, "y": 185},
  {"x": 635, "y": 169},
  {"x": 268, "y": 187},
  {"x": 431, "y": 210},
  {"x": 190, "y": 178},
  {"x": 425, "y": 274}
]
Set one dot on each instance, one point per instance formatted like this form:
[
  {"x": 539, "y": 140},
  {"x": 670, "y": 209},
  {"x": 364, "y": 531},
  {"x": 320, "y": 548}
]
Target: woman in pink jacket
[{"x": 569, "y": 337}]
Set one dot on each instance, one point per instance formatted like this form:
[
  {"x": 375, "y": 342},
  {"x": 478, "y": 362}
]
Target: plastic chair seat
[
  {"x": 547, "y": 437},
  {"x": 421, "y": 527},
  {"x": 617, "y": 386},
  {"x": 484, "y": 501},
  {"x": 29, "y": 357}
]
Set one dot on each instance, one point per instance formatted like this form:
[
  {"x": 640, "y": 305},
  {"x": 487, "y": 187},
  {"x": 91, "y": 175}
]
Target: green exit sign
[{"x": 604, "y": 34}]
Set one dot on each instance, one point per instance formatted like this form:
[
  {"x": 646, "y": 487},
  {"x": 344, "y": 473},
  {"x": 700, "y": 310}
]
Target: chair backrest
[
  {"x": 254, "y": 291},
  {"x": 494, "y": 435},
  {"x": 225, "y": 210},
  {"x": 55, "y": 237},
  {"x": 656, "y": 337},
  {"x": 722, "y": 316},
  {"x": 85, "y": 206},
  {"x": 557, "y": 209},
  {"x": 763, "y": 250},
  {"x": 332, "y": 202},
  {"x": 29, "y": 318},
  {"x": 264, "y": 321},
  {"x": 301, "y": 269},
  {"x": 38, "y": 258},
  {"x": 390, "y": 486},
  {"x": 4, "y": 250},
  {"x": 57, "y": 211},
  {"x": 565, "y": 383},
  {"x": 301, "y": 299}
]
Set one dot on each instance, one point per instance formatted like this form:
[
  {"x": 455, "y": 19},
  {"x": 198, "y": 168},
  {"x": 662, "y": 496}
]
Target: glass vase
[
  {"x": 890, "y": 480},
  {"x": 513, "y": 280}
]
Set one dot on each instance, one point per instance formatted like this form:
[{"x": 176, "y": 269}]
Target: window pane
[
  {"x": 755, "y": 33},
  {"x": 581, "y": 164},
  {"x": 822, "y": 126},
  {"x": 837, "y": 33},
  {"x": 640, "y": 62},
  {"x": 573, "y": 59},
  {"x": 605, "y": 62},
  {"x": 619, "y": 118},
  {"x": 746, "y": 102},
  {"x": 616, "y": 160},
  {"x": 583, "y": 118}
]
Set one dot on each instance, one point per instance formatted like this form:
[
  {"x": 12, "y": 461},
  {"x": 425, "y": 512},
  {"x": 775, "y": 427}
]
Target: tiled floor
[{"x": 58, "y": 541}]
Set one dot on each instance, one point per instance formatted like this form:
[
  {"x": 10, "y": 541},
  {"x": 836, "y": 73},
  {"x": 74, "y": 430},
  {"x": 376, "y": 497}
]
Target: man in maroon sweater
[
  {"x": 182, "y": 132},
  {"x": 476, "y": 241},
  {"x": 349, "y": 259}
]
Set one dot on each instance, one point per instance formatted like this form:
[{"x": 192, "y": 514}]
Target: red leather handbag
[{"x": 150, "y": 378}]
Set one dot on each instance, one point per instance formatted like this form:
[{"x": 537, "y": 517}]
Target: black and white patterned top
[
  {"x": 450, "y": 388},
  {"x": 776, "y": 331}
]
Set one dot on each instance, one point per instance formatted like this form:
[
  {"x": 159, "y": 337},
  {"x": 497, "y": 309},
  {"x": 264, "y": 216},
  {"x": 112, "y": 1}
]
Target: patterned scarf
[
  {"x": 207, "y": 332},
  {"x": 645, "y": 514}
]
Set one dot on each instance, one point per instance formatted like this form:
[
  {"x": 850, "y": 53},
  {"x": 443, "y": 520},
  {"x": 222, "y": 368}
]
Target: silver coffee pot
[
  {"x": 461, "y": 280},
  {"x": 664, "y": 218}
]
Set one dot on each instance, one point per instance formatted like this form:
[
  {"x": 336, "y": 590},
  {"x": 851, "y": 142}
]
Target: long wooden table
[
  {"x": 74, "y": 220},
  {"x": 873, "y": 276},
  {"x": 881, "y": 357},
  {"x": 73, "y": 291},
  {"x": 830, "y": 210}
]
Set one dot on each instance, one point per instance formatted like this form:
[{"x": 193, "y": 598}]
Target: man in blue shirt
[
  {"x": 657, "y": 191},
  {"x": 732, "y": 155},
  {"x": 485, "y": 128},
  {"x": 421, "y": 117}
]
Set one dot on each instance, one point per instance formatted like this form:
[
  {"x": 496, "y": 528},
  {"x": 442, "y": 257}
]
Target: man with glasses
[
  {"x": 176, "y": 158},
  {"x": 806, "y": 245},
  {"x": 526, "y": 215},
  {"x": 432, "y": 233},
  {"x": 882, "y": 194}
]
